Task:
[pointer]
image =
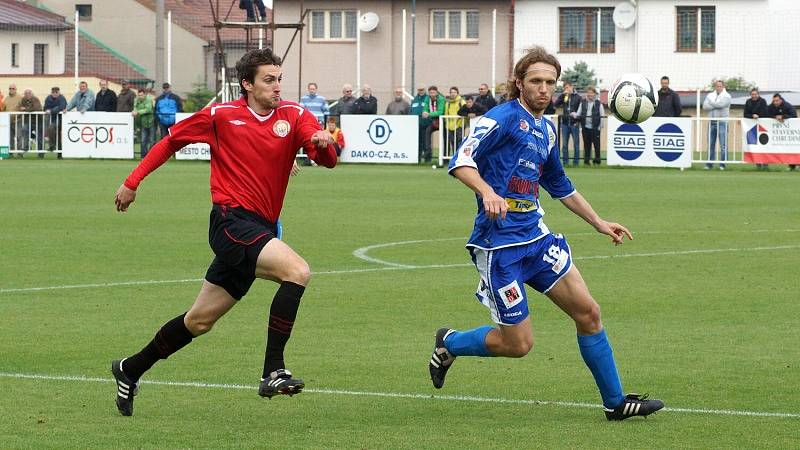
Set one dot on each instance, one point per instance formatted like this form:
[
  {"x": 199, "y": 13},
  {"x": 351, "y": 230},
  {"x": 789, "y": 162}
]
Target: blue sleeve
[
  {"x": 485, "y": 137},
  {"x": 553, "y": 179}
]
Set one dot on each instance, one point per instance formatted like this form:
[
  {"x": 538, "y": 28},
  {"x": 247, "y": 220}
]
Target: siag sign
[
  {"x": 97, "y": 135},
  {"x": 656, "y": 142}
]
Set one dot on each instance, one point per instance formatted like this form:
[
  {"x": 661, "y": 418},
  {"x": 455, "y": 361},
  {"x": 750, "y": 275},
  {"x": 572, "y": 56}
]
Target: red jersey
[{"x": 251, "y": 155}]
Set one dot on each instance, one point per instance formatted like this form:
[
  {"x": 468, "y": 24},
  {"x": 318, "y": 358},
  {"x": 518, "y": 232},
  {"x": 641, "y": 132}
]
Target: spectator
[
  {"x": 54, "y": 104},
  {"x": 338, "y": 136},
  {"x": 143, "y": 119},
  {"x": 366, "y": 104},
  {"x": 781, "y": 110},
  {"x": 12, "y": 104},
  {"x": 83, "y": 100},
  {"x": 398, "y": 105},
  {"x": 570, "y": 127},
  {"x": 125, "y": 98},
  {"x": 471, "y": 109},
  {"x": 250, "y": 6},
  {"x": 501, "y": 93},
  {"x": 315, "y": 104},
  {"x": 718, "y": 105},
  {"x": 417, "y": 108},
  {"x": 31, "y": 124},
  {"x": 669, "y": 102},
  {"x": 346, "y": 103},
  {"x": 454, "y": 125},
  {"x": 592, "y": 109},
  {"x": 2, "y": 101},
  {"x": 106, "y": 99},
  {"x": 433, "y": 108},
  {"x": 485, "y": 98},
  {"x": 755, "y": 107},
  {"x": 167, "y": 105}
]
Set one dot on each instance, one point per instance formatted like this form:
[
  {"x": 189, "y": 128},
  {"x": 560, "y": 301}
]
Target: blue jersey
[{"x": 514, "y": 153}]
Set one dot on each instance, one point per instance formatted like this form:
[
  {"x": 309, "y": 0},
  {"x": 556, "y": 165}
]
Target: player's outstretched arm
[
  {"x": 320, "y": 148},
  {"x": 580, "y": 207},
  {"x": 125, "y": 196},
  {"x": 494, "y": 205}
]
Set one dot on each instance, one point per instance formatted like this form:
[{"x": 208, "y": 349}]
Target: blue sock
[
  {"x": 597, "y": 354},
  {"x": 468, "y": 343}
]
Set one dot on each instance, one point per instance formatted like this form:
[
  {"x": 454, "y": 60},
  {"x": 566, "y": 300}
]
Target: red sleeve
[
  {"x": 307, "y": 125},
  {"x": 196, "y": 128}
]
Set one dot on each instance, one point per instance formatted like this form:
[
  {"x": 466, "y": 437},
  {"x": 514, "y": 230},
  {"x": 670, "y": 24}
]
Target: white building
[
  {"x": 754, "y": 39},
  {"x": 31, "y": 40}
]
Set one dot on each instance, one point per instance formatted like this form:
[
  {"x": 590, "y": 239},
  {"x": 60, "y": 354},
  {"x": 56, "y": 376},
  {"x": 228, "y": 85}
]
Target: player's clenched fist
[{"x": 322, "y": 138}]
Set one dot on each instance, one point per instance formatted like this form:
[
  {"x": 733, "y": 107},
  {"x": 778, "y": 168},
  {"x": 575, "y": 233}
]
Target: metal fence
[{"x": 34, "y": 132}]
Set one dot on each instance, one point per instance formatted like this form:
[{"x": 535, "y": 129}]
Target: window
[
  {"x": 39, "y": 58},
  {"x": 333, "y": 25},
  {"x": 454, "y": 25},
  {"x": 578, "y": 30},
  {"x": 686, "y": 23},
  {"x": 14, "y": 55},
  {"x": 84, "y": 12}
]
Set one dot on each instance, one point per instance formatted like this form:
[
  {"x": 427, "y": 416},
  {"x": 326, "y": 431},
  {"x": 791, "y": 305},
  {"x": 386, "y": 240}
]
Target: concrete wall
[
  {"x": 54, "y": 56},
  {"x": 753, "y": 38},
  {"x": 332, "y": 64}
]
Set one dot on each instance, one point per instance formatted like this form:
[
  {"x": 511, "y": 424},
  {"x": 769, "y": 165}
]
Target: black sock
[
  {"x": 172, "y": 337},
  {"x": 281, "y": 320}
]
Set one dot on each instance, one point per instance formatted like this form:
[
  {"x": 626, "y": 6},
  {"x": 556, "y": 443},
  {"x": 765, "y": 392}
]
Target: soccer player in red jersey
[{"x": 253, "y": 142}]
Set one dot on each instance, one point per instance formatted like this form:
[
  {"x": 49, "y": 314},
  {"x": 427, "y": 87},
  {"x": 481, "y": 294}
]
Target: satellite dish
[
  {"x": 368, "y": 22},
  {"x": 624, "y": 15}
]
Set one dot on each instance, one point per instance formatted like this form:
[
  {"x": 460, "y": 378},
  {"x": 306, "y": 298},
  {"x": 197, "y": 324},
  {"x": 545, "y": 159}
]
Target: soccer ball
[{"x": 632, "y": 98}]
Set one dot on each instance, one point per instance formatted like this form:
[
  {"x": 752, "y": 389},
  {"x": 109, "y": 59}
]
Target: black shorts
[{"x": 237, "y": 237}]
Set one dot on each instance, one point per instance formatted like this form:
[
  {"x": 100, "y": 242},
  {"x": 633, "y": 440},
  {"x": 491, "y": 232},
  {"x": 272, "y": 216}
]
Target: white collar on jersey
[
  {"x": 259, "y": 116},
  {"x": 536, "y": 120}
]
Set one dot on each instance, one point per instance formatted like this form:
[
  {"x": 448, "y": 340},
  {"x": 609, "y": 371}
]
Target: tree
[
  {"x": 581, "y": 76},
  {"x": 198, "y": 98},
  {"x": 735, "y": 84}
]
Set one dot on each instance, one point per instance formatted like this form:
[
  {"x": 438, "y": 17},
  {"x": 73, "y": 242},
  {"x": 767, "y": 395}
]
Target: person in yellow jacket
[{"x": 454, "y": 125}]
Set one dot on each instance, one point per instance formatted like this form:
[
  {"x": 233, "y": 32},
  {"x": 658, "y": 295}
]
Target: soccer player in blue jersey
[{"x": 510, "y": 152}]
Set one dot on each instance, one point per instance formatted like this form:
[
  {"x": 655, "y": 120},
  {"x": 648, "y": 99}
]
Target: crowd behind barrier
[{"x": 443, "y": 121}]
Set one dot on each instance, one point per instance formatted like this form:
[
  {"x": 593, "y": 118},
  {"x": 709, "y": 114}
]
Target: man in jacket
[
  {"x": 315, "y": 103},
  {"x": 485, "y": 98},
  {"x": 366, "y": 104},
  {"x": 417, "y": 108},
  {"x": 143, "y": 119},
  {"x": 454, "y": 125},
  {"x": 781, "y": 110},
  {"x": 106, "y": 99},
  {"x": 31, "y": 124},
  {"x": 83, "y": 100},
  {"x": 433, "y": 108},
  {"x": 125, "y": 98},
  {"x": 54, "y": 104},
  {"x": 669, "y": 103},
  {"x": 589, "y": 114},
  {"x": 718, "y": 105},
  {"x": 398, "y": 105},
  {"x": 755, "y": 107},
  {"x": 166, "y": 106},
  {"x": 345, "y": 104},
  {"x": 570, "y": 127}
]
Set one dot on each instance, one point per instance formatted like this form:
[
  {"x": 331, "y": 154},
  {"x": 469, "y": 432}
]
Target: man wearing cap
[
  {"x": 54, "y": 104},
  {"x": 167, "y": 105},
  {"x": 125, "y": 98}
]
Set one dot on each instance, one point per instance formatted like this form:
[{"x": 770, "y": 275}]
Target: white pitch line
[
  {"x": 404, "y": 267},
  {"x": 462, "y": 398}
]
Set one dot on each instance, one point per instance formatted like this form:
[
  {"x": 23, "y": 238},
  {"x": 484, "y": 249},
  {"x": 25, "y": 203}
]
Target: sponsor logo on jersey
[
  {"x": 511, "y": 294},
  {"x": 523, "y": 125},
  {"x": 523, "y": 186},
  {"x": 513, "y": 314},
  {"x": 526, "y": 163},
  {"x": 551, "y": 137},
  {"x": 237, "y": 122},
  {"x": 521, "y": 205},
  {"x": 537, "y": 133},
  {"x": 281, "y": 128}
]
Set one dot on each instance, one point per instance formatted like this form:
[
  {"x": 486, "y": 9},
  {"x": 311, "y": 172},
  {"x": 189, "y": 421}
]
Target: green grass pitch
[{"x": 701, "y": 308}]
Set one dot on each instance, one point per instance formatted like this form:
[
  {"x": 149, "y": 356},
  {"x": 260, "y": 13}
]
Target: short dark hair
[
  {"x": 468, "y": 97},
  {"x": 309, "y": 84},
  {"x": 754, "y": 90},
  {"x": 591, "y": 88},
  {"x": 665, "y": 78},
  {"x": 776, "y": 95},
  {"x": 165, "y": 86},
  {"x": 247, "y": 66},
  {"x": 454, "y": 88},
  {"x": 531, "y": 56},
  {"x": 434, "y": 88},
  {"x": 567, "y": 83}
]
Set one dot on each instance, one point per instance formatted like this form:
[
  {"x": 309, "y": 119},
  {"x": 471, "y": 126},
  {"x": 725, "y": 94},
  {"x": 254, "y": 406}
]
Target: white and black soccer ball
[{"x": 632, "y": 98}]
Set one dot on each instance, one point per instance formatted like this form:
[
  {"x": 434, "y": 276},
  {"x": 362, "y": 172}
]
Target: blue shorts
[{"x": 504, "y": 271}]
